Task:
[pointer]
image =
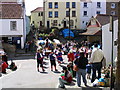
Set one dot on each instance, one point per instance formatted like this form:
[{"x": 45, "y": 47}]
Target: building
[
  {"x": 37, "y": 17},
  {"x": 104, "y": 20},
  {"x": 57, "y": 13},
  {"x": 93, "y": 31},
  {"x": 89, "y": 8},
  {"x": 12, "y": 23},
  {"x": 112, "y": 7}
]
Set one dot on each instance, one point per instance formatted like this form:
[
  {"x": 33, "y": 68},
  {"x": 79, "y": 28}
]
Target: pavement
[{"x": 26, "y": 76}]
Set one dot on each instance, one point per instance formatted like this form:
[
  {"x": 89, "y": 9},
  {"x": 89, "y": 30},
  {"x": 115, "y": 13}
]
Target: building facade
[
  {"x": 91, "y": 8},
  {"x": 13, "y": 23},
  {"x": 37, "y": 17},
  {"x": 112, "y": 7},
  {"x": 56, "y": 13}
]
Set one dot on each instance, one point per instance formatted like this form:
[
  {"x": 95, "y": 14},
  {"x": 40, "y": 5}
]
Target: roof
[
  {"x": 91, "y": 32},
  {"x": 105, "y": 19},
  {"x": 93, "y": 27},
  {"x": 37, "y": 9},
  {"x": 10, "y": 10}
]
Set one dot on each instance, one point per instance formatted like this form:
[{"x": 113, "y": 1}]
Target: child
[{"x": 88, "y": 70}]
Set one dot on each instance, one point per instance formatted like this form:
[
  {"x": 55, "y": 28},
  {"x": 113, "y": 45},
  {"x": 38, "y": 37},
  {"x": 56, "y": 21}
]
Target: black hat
[{"x": 64, "y": 68}]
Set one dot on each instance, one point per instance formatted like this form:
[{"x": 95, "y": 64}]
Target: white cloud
[{"x": 32, "y": 4}]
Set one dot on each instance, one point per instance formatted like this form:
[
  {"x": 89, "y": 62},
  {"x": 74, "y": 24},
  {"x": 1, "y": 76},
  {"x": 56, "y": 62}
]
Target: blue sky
[{"x": 32, "y": 4}]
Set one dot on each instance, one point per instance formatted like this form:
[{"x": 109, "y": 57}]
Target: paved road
[{"x": 27, "y": 76}]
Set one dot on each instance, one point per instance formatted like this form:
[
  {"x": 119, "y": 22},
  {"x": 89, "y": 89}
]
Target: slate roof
[
  {"x": 105, "y": 19},
  {"x": 37, "y": 9},
  {"x": 10, "y": 10}
]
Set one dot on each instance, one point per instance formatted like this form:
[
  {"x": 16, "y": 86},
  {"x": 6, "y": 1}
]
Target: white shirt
[{"x": 96, "y": 56}]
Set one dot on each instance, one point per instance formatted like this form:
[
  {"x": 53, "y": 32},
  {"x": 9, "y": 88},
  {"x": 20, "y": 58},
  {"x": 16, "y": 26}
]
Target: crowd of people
[{"x": 88, "y": 59}]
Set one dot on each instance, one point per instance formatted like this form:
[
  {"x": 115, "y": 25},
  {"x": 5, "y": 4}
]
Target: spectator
[
  {"x": 96, "y": 59},
  {"x": 66, "y": 78},
  {"x": 81, "y": 63}
]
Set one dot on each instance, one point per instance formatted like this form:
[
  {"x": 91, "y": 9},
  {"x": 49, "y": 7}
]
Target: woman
[
  {"x": 40, "y": 60},
  {"x": 66, "y": 78}
]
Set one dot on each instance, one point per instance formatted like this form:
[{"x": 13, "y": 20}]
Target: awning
[{"x": 91, "y": 32}]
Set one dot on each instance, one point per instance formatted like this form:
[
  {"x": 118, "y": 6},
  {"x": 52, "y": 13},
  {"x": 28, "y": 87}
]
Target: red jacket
[{"x": 71, "y": 57}]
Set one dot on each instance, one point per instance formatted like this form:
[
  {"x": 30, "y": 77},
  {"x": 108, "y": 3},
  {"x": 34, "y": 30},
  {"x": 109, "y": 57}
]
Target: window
[
  {"x": 56, "y": 4},
  {"x": 50, "y": 14},
  {"x": 13, "y": 25},
  {"x": 112, "y": 5},
  {"x": 41, "y": 13},
  {"x": 73, "y": 5},
  {"x": 38, "y": 14},
  {"x": 56, "y": 13},
  {"x": 85, "y": 4},
  {"x": 55, "y": 22},
  {"x": 98, "y": 5},
  {"x": 67, "y": 13},
  {"x": 73, "y": 13},
  {"x": 112, "y": 12},
  {"x": 85, "y": 13},
  {"x": 50, "y": 4},
  {"x": 98, "y": 12},
  {"x": 67, "y": 4}
]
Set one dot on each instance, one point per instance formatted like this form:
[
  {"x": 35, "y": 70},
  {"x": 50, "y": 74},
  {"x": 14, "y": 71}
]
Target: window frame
[
  {"x": 113, "y": 5},
  {"x": 74, "y": 14},
  {"x": 113, "y": 13},
  {"x": 55, "y": 5},
  {"x": 84, "y": 13},
  {"x": 50, "y": 14},
  {"x": 67, "y": 14},
  {"x": 98, "y": 4},
  {"x": 11, "y": 25},
  {"x": 97, "y": 12},
  {"x": 56, "y": 13},
  {"x": 50, "y": 5},
  {"x": 73, "y": 4},
  {"x": 85, "y": 5},
  {"x": 67, "y": 4},
  {"x": 55, "y": 22}
]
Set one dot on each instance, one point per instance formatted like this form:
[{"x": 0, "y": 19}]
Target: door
[
  {"x": 65, "y": 24},
  {"x": 48, "y": 24}
]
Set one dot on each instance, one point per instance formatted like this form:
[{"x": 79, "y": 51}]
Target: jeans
[
  {"x": 79, "y": 73},
  {"x": 96, "y": 67},
  {"x": 62, "y": 82}
]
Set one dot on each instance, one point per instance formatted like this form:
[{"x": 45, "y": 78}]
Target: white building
[
  {"x": 91, "y": 8},
  {"x": 107, "y": 37},
  {"x": 13, "y": 23}
]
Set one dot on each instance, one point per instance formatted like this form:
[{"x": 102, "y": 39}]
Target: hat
[{"x": 64, "y": 68}]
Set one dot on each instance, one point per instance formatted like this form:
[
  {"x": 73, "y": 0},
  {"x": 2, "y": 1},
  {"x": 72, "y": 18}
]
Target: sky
[{"x": 31, "y": 5}]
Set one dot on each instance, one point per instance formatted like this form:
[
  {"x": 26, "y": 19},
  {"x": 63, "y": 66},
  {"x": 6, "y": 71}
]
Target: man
[
  {"x": 97, "y": 57},
  {"x": 81, "y": 63}
]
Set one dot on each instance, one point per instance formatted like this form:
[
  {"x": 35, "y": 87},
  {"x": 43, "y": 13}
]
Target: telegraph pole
[
  {"x": 112, "y": 30},
  {"x": 118, "y": 54},
  {"x": 69, "y": 23}
]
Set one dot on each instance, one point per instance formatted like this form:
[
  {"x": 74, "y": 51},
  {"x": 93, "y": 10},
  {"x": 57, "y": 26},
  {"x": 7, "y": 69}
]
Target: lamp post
[
  {"x": 69, "y": 23},
  {"x": 111, "y": 30},
  {"x": 44, "y": 12}
]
